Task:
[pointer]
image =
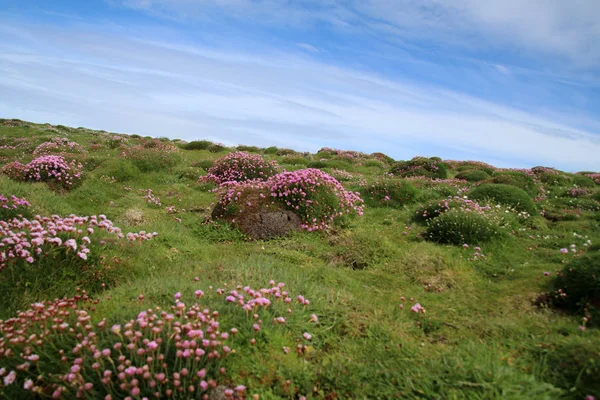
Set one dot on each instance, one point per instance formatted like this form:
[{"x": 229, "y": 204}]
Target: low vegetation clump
[
  {"x": 116, "y": 141},
  {"x": 459, "y": 227},
  {"x": 317, "y": 198},
  {"x": 240, "y": 167},
  {"x": 248, "y": 149},
  {"x": 389, "y": 193},
  {"x": 57, "y": 145},
  {"x": 421, "y": 166},
  {"x": 516, "y": 179},
  {"x": 152, "y": 156},
  {"x": 54, "y": 170},
  {"x": 473, "y": 175},
  {"x": 12, "y": 207},
  {"x": 197, "y": 145},
  {"x": 433, "y": 210},
  {"x": 34, "y": 252},
  {"x": 216, "y": 147},
  {"x": 505, "y": 194},
  {"x": 577, "y": 287},
  {"x": 62, "y": 349}
]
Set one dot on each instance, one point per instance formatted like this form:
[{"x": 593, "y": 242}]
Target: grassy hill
[{"x": 426, "y": 295}]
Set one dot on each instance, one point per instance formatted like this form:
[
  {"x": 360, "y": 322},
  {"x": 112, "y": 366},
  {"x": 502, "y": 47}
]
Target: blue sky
[{"x": 514, "y": 83}]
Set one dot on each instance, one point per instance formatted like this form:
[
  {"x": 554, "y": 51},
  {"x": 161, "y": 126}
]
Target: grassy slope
[{"x": 482, "y": 338}]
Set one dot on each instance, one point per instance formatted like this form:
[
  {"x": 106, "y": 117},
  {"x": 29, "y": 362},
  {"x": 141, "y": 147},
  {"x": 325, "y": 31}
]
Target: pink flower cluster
[
  {"x": 14, "y": 170},
  {"x": 56, "y": 145},
  {"x": 343, "y": 154},
  {"x": 53, "y": 169},
  {"x": 341, "y": 175},
  {"x": 317, "y": 198},
  {"x": 13, "y": 202},
  {"x": 239, "y": 167},
  {"x": 159, "y": 354},
  {"x": 26, "y": 240},
  {"x": 454, "y": 164},
  {"x": 432, "y": 210},
  {"x": 595, "y": 177},
  {"x": 151, "y": 198},
  {"x": 578, "y": 192},
  {"x": 255, "y": 299},
  {"x": 61, "y": 349}
]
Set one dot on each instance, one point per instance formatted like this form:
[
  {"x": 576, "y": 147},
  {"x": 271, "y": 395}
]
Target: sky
[{"x": 514, "y": 83}]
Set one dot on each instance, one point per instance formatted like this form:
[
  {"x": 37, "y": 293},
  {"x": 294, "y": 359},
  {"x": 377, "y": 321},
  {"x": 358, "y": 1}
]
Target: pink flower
[
  {"x": 417, "y": 308},
  {"x": 177, "y": 296},
  {"x": 10, "y": 378},
  {"x": 307, "y": 336},
  {"x": 564, "y": 250}
]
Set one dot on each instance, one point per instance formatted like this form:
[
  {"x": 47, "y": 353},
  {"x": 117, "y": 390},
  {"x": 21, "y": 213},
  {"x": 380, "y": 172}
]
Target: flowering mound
[
  {"x": 240, "y": 167},
  {"x": 14, "y": 170},
  {"x": 12, "y": 207},
  {"x": 36, "y": 254},
  {"x": 59, "y": 349},
  {"x": 55, "y": 170},
  {"x": 57, "y": 145},
  {"x": 421, "y": 166},
  {"x": 312, "y": 195},
  {"x": 433, "y": 210}
]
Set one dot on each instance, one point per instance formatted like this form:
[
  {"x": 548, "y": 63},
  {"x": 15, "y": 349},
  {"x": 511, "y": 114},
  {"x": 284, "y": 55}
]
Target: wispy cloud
[
  {"x": 556, "y": 27},
  {"x": 90, "y": 76}
]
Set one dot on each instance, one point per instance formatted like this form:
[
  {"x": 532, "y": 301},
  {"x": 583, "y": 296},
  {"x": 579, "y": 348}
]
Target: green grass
[{"x": 481, "y": 337}]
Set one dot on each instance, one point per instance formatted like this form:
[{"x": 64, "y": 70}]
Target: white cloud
[
  {"x": 166, "y": 89},
  {"x": 569, "y": 29},
  {"x": 308, "y": 47}
]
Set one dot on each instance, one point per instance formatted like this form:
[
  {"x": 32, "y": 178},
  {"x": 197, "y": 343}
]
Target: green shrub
[
  {"x": 286, "y": 152},
  {"x": 121, "y": 170},
  {"x": 504, "y": 194},
  {"x": 270, "y": 150},
  {"x": 374, "y": 163},
  {"x": 434, "y": 209},
  {"x": 583, "y": 181},
  {"x": 517, "y": 179},
  {"x": 579, "y": 280},
  {"x": 421, "y": 166},
  {"x": 389, "y": 193},
  {"x": 473, "y": 175},
  {"x": 295, "y": 160},
  {"x": 383, "y": 157},
  {"x": 197, "y": 145},
  {"x": 317, "y": 164},
  {"x": 248, "y": 149},
  {"x": 204, "y": 164},
  {"x": 458, "y": 227},
  {"x": 216, "y": 147},
  {"x": 150, "y": 160},
  {"x": 475, "y": 166}
]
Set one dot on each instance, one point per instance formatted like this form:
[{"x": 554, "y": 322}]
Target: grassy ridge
[{"x": 481, "y": 337}]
